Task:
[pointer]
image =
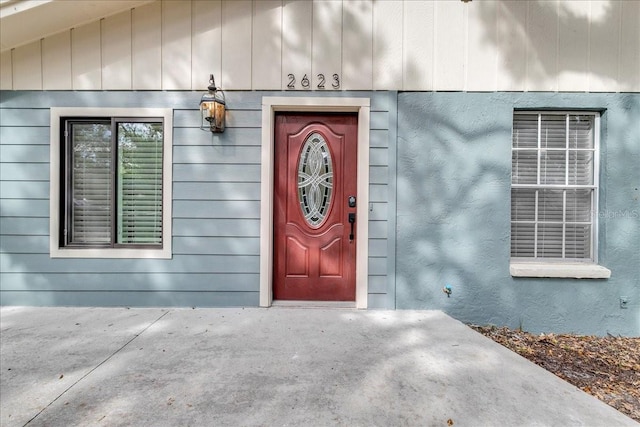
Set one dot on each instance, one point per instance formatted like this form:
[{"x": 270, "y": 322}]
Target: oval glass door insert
[{"x": 315, "y": 179}]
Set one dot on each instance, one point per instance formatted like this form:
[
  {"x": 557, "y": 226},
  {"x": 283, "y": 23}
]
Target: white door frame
[{"x": 313, "y": 104}]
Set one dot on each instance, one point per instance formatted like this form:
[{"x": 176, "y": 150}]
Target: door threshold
[{"x": 313, "y": 304}]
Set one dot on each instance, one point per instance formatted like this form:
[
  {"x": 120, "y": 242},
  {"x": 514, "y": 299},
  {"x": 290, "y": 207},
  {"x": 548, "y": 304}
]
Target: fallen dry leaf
[{"x": 605, "y": 367}]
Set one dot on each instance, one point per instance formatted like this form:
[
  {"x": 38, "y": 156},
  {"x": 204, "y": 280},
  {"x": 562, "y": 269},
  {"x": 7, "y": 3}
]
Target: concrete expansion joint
[{"x": 97, "y": 366}]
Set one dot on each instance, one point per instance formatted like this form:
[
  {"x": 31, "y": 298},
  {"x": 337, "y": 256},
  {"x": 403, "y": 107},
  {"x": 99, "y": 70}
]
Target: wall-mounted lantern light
[{"x": 212, "y": 108}]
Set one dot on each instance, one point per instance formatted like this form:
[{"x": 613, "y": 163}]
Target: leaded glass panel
[{"x": 315, "y": 179}]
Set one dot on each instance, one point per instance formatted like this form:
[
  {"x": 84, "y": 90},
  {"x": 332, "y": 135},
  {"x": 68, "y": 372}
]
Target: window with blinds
[
  {"x": 112, "y": 188},
  {"x": 554, "y": 186}
]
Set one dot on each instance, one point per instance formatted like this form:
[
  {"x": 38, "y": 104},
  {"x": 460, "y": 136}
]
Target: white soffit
[{"x": 25, "y": 21}]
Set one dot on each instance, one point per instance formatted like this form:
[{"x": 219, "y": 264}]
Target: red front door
[{"x": 315, "y": 198}]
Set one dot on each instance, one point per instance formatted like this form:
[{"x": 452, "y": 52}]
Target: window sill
[
  {"x": 559, "y": 270},
  {"x": 111, "y": 253}
]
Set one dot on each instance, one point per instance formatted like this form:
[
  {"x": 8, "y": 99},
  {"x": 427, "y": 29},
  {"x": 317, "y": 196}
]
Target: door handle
[{"x": 352, "y": 220}]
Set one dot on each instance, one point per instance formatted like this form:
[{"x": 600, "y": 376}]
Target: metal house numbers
[{"x": 322, "y": 81}]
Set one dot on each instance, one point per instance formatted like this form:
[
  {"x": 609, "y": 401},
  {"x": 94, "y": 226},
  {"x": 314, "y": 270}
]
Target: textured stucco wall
[{"x": 453, "y": 207}]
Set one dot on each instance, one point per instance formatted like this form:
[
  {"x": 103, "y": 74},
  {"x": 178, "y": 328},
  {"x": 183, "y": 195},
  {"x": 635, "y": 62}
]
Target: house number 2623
[{"x": 322, "y": 82}]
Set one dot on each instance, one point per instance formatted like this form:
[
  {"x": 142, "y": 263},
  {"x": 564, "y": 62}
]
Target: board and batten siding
[
  {"x": 216, "y": 208},
  {"x": 410, "y": 45}
]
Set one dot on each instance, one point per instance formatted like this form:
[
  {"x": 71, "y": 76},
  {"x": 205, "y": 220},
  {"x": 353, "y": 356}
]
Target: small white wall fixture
[{"x": 270, "y": 105}]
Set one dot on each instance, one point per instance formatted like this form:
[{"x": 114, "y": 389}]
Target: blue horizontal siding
[
  {"x": 379, "y": 120},
  {"x": 216, "y": 191},
  {"x": 377, "y": 301},
  {"x": 378, "y": 229},
  {"x": 131, "y": 299},
  {"x": 234, "y": 118},
  {"x": 379, "y": 138},
  {"x": 216, "y": 245},
  {"x": 378, "y": 211},
  {"x": 24, "y": 172},
  {"x": 378, "y": 174},
  {"x": 24, "y": 153},
  {"x": 212, "y": 227},
  {"x": 24, "y": 208},
  {"x": 377, "y": 284},
  {"x": 222, "y": 282},
  {"x": 216, "y": 154},
  {"x": 20, "y": 244},
  {"x": 26, "y": 117},
  {"x": 378, "y": 156},
  {"x": 378, "y": 193},
  {"x": 24, "y": 189},
  {"x": 22, "y": 135},
  {"x": 377, "y": 266},
  {"x": 378, "y": 248},
  {"x": 216, "y": 209},
  {"x": 231, "y": 136},
  {"x": 23, "y": 226},
  {"x": 216, "y": 172},
  {"x": 216, "y": 205},
  {"x": 41, "y": 263},
  {"x": 182, "y": 245}
]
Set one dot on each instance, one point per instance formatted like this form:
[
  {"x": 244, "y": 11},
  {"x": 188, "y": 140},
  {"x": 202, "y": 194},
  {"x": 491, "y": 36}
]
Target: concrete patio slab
[{"x": 278, "y": 366}]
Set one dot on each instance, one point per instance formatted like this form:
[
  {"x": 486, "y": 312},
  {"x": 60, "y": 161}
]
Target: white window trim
[
  {"x": 313, "y": 104},
  {"x": 54, "y": 188},
  {"x": 588, "y": 269}
]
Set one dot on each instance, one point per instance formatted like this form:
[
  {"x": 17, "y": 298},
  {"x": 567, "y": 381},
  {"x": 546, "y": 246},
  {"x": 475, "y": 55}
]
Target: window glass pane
[
  {"x": 550, "y": 205},
  {"x": 525, "y": 131},
  {"x": 553, "y": 167},
  {"x": 578, "y": 241},
  {"x": 523, "y": 204},
  {"x": 580, "y": 167},
  {"x": 553, "y": 131},
  {"x": 91, "y": 185},
  {"x": 550, "y": 240},
  {"x": 579, "y": 205},
  {"x": 522, "y": 240},
  {"x": 581, "y": 131},
  {"x": 139, "y": 203},
  {"x": 524, "y": 167}
]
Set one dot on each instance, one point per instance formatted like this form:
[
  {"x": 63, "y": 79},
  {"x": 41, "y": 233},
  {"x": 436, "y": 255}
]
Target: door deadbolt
[{"x": 352, "y": 201}]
